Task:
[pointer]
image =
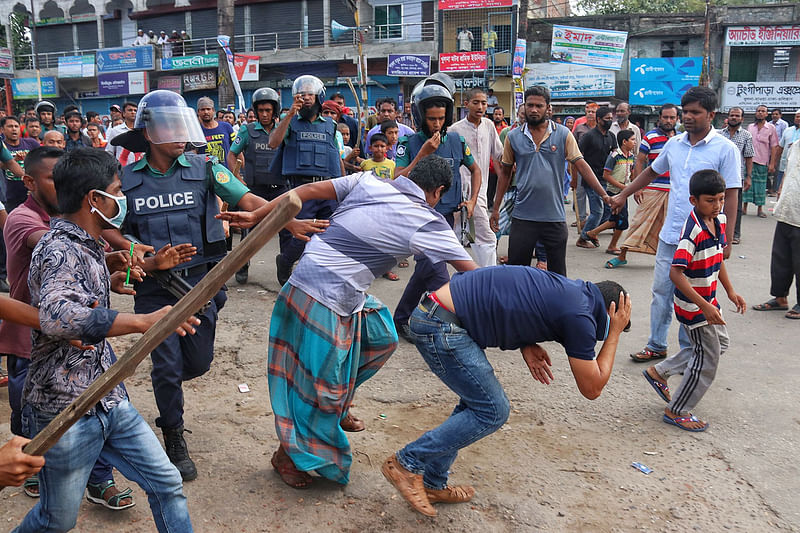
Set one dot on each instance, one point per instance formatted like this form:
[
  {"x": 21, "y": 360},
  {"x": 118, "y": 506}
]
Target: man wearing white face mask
[
  {"x": 69, "y": 283},
  {"x": 173, "y": 198}
]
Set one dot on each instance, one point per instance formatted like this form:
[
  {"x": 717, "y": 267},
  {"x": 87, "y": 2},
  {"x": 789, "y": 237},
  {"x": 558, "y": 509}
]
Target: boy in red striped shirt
[{"x": 696, "y": 267}]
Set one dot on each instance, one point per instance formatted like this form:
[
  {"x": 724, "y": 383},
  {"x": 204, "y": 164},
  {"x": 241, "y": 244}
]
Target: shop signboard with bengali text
[
  {"x": 750, "y": 95},
  {"x": 246, "y": 67},
  {"x": 196, "y": 81},
  {"x": 125, "y": 59},
  {"x": 122, "y": 83},
  {"x": 24, "y": 88},
  {"x": 76, "y": 66},
  {"x": 474, "y": 4},
  {"x": 170, "y": 83},
  {"x": 587, "y": 46},
  {"x": 189, "y": 62},
  {"x": 6, "y": 63},
  {"x": 571, "y": 81},
  {"x": 408, "y": 65},
  {"x": 658, "y": 92},
  {"x": 646, "y": 69},
  {"x": 462, "y": 61},
  {"x": 763, "y": 35}
]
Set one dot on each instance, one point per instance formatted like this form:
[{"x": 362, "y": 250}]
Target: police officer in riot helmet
[
  {"x": 432, "y": 110},
  {"x": 309, "y": 153},
  {"x": 252, "y": 141},
  {"x": 46, "y": 111},
  {"x": 172, "y": 196}
]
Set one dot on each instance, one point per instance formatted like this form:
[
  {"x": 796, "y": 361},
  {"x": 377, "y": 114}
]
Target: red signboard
[
  {"x": 473, "y": 4},
  {"x": 462, "y": 61}
]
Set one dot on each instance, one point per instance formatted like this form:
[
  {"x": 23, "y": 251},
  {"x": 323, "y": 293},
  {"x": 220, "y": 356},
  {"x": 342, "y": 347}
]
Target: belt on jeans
[
  {"x": 192, "y": 271},
  {"x": 427, "y": 305},
  {"x": 302, "y": 180}
]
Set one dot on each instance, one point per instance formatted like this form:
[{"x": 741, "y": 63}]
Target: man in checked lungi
[{"x": 327, "y": 336}]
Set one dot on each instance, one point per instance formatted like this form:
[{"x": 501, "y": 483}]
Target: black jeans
[
  {"x": 524, "y": 235},
  {"x": 785, "y": 263}
]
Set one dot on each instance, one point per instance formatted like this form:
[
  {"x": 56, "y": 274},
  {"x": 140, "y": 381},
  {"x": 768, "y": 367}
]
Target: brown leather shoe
[
  {"x": 458, "y": 494},
  {"x": 409, "y": 485},
  {"x": 352, "y": 424}
]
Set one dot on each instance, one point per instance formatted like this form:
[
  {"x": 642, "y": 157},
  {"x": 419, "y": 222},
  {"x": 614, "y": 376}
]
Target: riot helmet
[
  {"x": 265, "y": 94},
  {"x": 166, "y": 118},
  {"x": 432, "y": 95},
  {"x": 45, "y": 105},
  {"x": 309, "y": 85}
]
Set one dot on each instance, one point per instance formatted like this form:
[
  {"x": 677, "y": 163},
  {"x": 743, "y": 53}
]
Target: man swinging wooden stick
[{"x": 67, "y": 276}]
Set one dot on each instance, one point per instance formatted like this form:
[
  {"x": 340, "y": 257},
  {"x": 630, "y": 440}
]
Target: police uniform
[
  {"x": 428, "y": 276},
  {"x": 179, "y": 207},
  {"x": 310, "y": 154},
  {"x": 259, "y": 177}
]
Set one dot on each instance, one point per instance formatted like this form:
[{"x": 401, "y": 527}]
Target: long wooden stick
[{"x": 186, "y": 306}]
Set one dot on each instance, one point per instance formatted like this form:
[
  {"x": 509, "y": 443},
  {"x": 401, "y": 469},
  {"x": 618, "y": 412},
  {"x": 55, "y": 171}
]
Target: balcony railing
[{"x": 263, "y": 42}]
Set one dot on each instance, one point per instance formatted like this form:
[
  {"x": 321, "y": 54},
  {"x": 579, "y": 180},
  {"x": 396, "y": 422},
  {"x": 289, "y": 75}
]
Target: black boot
[
  {"x": 178, "y": 452},
  {"x": 241, "y": 275},
  {"x": 284, "y": 269}
]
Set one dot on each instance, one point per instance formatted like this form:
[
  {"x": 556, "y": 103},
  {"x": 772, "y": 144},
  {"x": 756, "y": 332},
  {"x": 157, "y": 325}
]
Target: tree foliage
[{"x": 20, "y": 34}]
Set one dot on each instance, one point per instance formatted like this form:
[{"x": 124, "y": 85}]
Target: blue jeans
[
  {"x": 120, "y": 436},
  {"x": 462, "y": 365},
  {"x": 661, "y": 307},
  {"x": 596, "y": 211}
]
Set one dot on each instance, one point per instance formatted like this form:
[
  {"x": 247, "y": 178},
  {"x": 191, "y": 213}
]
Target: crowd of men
[{"x": 87, "y": 206}]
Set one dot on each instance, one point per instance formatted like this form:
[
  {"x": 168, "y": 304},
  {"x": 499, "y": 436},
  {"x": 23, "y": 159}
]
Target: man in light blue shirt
[{"x": 699, "y": 147}]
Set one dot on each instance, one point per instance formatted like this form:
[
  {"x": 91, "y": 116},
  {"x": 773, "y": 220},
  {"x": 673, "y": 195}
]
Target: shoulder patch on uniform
[
  {"x": 212, "y": 158},
  {"x": 466, "y": 150},
  {"x": 401, "y": 150},
  {"x": 222, "y": 177}
]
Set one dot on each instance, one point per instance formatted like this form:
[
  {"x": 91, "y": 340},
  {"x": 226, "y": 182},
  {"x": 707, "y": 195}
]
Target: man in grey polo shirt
[{"x": 540, "y": 148}]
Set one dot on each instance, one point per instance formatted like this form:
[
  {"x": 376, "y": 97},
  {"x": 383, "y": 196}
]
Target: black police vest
[
  {"x": 452, "y": 149},
  {"x": 311, "y": 149},
  {"x": 258, "y": 157},
  {"x": 175, "y": 209}
]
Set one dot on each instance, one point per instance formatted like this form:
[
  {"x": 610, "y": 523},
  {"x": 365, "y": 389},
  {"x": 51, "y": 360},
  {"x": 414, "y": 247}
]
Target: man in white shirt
[
  {"x": 141, "y": 39},
  {"x": 465, "y": 39},
  {"x": 483, "y": 141},
  {"x": 621, "y": 114}
]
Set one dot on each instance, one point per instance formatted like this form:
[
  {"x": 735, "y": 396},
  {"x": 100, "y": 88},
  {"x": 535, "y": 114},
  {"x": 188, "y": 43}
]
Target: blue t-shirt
[
  {"x": 218, "y": 141},
  {"x": 514, "y": 306}
]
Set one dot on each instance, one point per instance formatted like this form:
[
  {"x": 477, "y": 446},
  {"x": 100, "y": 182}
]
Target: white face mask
[{"x": 122, "y": 208}]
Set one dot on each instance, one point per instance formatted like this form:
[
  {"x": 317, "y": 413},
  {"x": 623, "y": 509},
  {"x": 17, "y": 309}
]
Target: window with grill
[
  {"x": 389, "y": 21},
  {"x": 674, "y": 48}
]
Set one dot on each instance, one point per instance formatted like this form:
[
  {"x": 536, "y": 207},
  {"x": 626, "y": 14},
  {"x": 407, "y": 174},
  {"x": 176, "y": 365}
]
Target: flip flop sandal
[
  {"x": 770, "y": 305},
  {"x": 794, "y": 313},
  {"x": 96, "y": 493},
  {"x": 403, "y": 264},
  {"x": 31, "y": 487},
  {"x": 645, "y": 354},
  {"x": 678, "y": 421},
  {"x": 660, "y": 388},
  {"x": 391, "y": 276},
  {"x": 616, "y": 262},
  {"x": 762, "y": 215},
  {"x": 613, "y": 251},
  {"x": 596, "y": 242},
  {"x": 583, "y": 243}
]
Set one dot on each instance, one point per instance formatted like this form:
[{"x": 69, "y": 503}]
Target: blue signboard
[
  {"x": 658, "y": 92},
  {"x": 674, "y": 69},
  {"x": 26, "y": 87},
  {"x": 125, "y": 59},
  {"x": 408, "y": 65}
]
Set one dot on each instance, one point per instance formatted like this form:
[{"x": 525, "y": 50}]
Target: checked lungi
[
  {"x": 757, "y": 193},
  {"x": 316, "y": 360},
  {"x": 642, "y": 237}
]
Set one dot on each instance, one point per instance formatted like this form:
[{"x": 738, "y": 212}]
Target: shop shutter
[
  {"x": 112, "y": 31},
  {"x": 282, "y": 18},
  {"x": 87, "y": 35},
  {"x": 56, "y": 38},
  {"x": 204, "y": 23}
]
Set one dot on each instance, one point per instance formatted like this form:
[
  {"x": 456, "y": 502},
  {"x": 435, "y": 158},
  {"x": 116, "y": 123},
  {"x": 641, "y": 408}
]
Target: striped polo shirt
[
  {"x": 700, "y": 253},
  {"x": 652, "y": 143},
  {"x": 378, "y": 222}
]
